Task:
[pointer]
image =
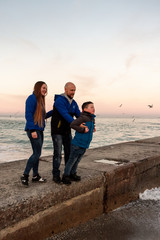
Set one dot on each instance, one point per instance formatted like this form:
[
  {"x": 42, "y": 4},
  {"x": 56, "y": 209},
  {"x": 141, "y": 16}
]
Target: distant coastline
[{"x": 15, "y": 115}]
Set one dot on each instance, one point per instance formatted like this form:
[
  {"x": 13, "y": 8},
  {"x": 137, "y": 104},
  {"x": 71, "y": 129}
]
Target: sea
[{"x": 15, "y": 145}]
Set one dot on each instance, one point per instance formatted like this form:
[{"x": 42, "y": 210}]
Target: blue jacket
[
  {"x": 63, "y": 113},
  {"x": 81, "y": 138},
  {"x": 30, "y": 108}
]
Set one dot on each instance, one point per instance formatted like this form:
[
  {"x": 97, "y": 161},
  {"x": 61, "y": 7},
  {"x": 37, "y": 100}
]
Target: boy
[{"x": 80, "y": 142}]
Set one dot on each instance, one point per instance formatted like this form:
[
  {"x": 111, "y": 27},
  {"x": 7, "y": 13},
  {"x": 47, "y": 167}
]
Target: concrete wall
[
  {"x": 57, "y": 218},
  {"x": 125, "y": 183},
  {"x": 42, "y": 210}
]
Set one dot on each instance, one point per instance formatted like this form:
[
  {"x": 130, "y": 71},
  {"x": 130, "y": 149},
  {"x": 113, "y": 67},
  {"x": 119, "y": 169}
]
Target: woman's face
[{"x": 44, "y": 90}]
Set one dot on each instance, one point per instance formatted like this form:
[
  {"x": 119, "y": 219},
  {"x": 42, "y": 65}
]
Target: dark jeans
[
  {"x": 58, "y": 142},
  {"x": 33, "y": 161},
  {"x": 74, "y": 159}
]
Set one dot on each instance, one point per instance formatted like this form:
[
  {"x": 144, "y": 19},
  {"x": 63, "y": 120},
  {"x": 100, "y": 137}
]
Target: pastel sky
[{"x": 109, "y": 49}]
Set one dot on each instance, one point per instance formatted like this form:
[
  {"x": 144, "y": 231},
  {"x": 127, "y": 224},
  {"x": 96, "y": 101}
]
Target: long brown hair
[{"x": 40, "y": 110}]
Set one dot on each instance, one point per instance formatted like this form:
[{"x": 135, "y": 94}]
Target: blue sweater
[
  {"x": 31, "y": 105},
  {"x": 63, "y": 113},
  {"x": 66, "y": 109}
]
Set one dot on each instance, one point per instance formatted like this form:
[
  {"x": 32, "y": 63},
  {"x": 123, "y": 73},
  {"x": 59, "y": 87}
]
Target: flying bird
[
  {"x": 150, "y": 106},
  {"x": 120, "y": 105},
  {"x": 133, "y": 118}
]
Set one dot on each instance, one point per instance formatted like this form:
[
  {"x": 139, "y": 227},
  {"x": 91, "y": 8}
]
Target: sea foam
[{"x": 153, "y": 194}]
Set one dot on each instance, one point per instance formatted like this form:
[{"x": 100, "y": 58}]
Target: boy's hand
[{"x": 86, "y": 129}]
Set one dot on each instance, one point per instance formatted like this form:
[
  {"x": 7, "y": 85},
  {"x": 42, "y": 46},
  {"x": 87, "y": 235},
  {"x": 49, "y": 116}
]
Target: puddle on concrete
[{"x": 108, "y": 161}]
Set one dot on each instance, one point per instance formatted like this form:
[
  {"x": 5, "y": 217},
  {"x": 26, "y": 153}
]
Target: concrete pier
[{"x": 111, "y": 177}]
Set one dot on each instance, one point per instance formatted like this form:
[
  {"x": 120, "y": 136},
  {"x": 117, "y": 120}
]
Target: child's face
[
  {"x": 44, "y": 89},
  {"x": 90, "y": 108}
]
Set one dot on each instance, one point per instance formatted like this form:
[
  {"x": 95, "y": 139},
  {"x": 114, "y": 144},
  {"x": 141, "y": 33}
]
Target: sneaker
[
  {"x": 57, "y": 179},
  {"x": 75, "y": 177},
  {"x": 66, "y": 180},
  {"x": 38, "y": 178},
  {"x": 24, "y": 179}
]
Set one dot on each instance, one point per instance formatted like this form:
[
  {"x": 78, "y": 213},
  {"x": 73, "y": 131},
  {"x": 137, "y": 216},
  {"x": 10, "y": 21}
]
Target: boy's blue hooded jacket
[
  {"x": 30, "y": 108},
  {"x": 81, "y": 138}
]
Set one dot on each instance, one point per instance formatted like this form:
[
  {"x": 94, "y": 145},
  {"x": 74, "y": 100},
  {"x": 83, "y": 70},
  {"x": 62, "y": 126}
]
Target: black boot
[
  {"x": 75, "y": 177},
  {"x": 39, "y": 179},
  {"x": 24, "y": 179},
  {"x": 57, "y": 179},
  {"x": 66, "y": 180}
]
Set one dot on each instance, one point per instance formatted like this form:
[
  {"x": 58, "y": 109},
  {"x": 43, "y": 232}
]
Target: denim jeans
[
  {"x": 74, "y": 159},
  {"x": 58, "y": 142},
  {"x": 33, "y": 161}
]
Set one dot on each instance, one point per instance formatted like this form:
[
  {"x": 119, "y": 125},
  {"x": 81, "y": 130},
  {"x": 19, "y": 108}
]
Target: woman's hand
[{"x": 34, "y": 134}]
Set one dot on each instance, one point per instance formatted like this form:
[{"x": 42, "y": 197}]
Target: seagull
[
  {"x": 120, "y": 105},
  {"x": 133, "y": 118},
  {"x": 150, "y": 106}
]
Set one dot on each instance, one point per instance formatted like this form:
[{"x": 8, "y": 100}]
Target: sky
[{"x": 109, "y": 49}]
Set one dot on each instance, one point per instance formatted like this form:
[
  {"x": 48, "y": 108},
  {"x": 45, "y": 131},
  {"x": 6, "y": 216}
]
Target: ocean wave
[
  {"x": 153, "y": 194},
  {"x": 14, "y": 141}
]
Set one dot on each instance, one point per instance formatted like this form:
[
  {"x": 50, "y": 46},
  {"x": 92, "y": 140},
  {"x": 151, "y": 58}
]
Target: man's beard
[{"x": 69, "y": 96}]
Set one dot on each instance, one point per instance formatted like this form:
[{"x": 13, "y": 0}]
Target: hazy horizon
[{"x": 133, "y": 117}]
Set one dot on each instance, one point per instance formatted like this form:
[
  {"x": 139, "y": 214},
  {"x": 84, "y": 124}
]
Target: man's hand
[{"x": 84, "y": 126}]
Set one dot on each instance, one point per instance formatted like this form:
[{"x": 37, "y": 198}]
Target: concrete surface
[{"x": 41, "y": 210}]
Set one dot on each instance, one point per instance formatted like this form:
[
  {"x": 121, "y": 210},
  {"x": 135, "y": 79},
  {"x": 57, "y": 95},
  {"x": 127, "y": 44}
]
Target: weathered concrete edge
[
  {"x": 57, "y": 218},
  {"x": 118, "y": 188},
  {"x": 52, "y": 195},
  {"x": 124, "y": 184}
]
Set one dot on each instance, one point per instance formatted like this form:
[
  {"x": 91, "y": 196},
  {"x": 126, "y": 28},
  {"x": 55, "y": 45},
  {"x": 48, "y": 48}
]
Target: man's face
[{"x": 70, "y": 90}]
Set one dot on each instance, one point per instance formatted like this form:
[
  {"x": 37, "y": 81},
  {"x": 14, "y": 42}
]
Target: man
[{"x": 64, "y": 109}]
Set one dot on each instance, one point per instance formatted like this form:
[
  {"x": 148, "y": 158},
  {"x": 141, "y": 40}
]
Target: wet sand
[{"x": 139, "y": 220}]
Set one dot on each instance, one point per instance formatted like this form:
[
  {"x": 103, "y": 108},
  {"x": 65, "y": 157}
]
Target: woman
[{"x": 35, "y": 115}]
